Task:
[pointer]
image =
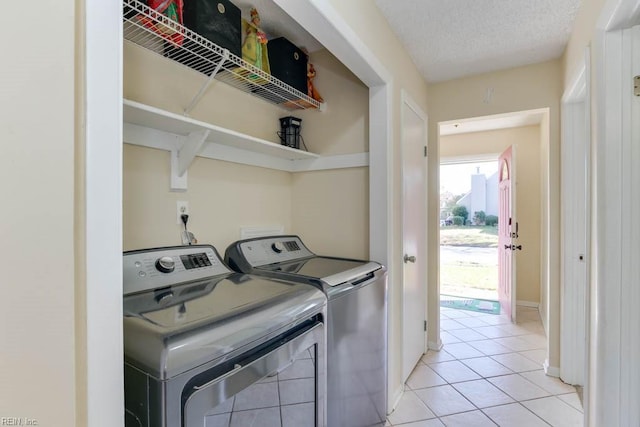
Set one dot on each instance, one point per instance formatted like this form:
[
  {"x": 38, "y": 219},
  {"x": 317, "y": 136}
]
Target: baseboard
[
  {"x": 435, "y": 346},
  {"x": 551, "y": 371},
  {"x": 528, "y": 304},
  {"x": 395, "y": 399}
]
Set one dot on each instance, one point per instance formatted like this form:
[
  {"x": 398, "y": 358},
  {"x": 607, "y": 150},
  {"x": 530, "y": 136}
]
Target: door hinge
[
  {"x": 425, "y": 326},
  {"x": 636, "y": 85},
  {"x": 426, "y": 151}
]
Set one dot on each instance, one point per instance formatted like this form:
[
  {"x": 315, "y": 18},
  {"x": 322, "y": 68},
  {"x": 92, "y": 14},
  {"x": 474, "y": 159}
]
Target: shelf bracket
[
  {"x": 206, "y": 84},
  {"x": 182, "y": 158}
]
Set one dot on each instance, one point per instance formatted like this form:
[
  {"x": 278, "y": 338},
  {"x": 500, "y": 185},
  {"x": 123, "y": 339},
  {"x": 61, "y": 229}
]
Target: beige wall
[
  {"x": 525, "y": 88},
  {"x": 153, "y": 80},
  {"x": 343, "y": 128},
  {"x": 371, "y": 27},
  {"x": 331, "y": 208},
  {"x": 223, "y": 196},
  {"x": 37, "y": 132},
  {"x": 528, "y": 205},
  {"x": 581, "y": 36}
]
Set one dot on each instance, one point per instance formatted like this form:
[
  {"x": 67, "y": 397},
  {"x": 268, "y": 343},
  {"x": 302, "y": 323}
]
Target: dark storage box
[
  {"x": 288, "y": 63},
  {"x": 218, "y": 21}
]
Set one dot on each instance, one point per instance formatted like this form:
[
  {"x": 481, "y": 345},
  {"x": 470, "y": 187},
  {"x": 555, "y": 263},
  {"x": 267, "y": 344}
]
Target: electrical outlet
[{"x": 182, "y": 207}]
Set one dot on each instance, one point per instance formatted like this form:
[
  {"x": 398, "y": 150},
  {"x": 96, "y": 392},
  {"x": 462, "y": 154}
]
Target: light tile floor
[{"x": 488, "y": 373}]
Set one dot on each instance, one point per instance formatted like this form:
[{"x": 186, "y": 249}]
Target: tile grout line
[{"x": 531, "y": 332}]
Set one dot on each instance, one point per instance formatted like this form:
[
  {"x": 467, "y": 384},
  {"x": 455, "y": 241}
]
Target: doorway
[
  {"x": 483, "y": 139},
  {"x": 469, "y": 233}
]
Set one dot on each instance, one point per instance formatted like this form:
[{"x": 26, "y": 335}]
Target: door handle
[
  {"x": 513, "y": 247},
  {"x": 408, "y": 258}
]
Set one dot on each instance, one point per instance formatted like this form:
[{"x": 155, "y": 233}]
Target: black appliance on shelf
[{"x": 290, "y": 131}]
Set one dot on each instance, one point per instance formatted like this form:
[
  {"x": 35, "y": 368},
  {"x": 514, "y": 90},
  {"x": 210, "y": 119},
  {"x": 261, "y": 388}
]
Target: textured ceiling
[{"x": 449, "y": 39}]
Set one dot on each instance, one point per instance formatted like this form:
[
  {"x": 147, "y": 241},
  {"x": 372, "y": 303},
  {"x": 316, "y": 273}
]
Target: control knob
[
  {"x": 165, "y": 264},
  {"x": 164, "y": 298},
  {"x": 277, "y": 247}
]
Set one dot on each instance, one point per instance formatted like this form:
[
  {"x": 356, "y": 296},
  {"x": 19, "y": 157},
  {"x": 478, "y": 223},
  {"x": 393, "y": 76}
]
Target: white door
[
  {"x": 507, "y": 233},
  {"x": 414, "y": 234}
]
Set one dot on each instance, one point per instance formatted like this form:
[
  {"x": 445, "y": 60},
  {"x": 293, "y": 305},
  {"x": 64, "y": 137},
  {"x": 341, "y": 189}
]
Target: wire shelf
[{"x": 154, "y": 31}]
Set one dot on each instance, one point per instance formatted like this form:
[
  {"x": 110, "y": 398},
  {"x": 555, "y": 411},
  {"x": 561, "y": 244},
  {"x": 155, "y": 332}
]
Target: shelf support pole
[
  {"x": 182, "y": 158},
  {"x": 206, "y": 84}
]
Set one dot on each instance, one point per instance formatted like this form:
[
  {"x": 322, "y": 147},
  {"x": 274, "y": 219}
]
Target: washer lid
[
  {"x": 316, "y": 267},
  {"x": 177, "y": 308},
  {"x": 210, "y": 320},
  {"x": 332, "y": 271}
]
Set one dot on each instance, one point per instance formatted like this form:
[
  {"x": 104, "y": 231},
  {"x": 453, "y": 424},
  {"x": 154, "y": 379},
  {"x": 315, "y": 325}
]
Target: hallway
[{"x": 488, "y": 373}]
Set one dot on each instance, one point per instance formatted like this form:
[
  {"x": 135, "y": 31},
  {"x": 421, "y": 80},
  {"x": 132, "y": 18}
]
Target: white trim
[
  {"x": 552, "y": 371},
  {"x": 381, "y": 213},
  {"x": 577, "y": 89},
  {"x": 139, "y": 116},
  {"x": 103, "y": 177},
  {"x": 528, "y": 304},
  {"x": 471, "y": 158},
  {"x": 435, "y": 346},
  {"x": 395, "y": 398},
  {"x": 341, "y": 161},
  {"x": 574, "y": 219},
  {"x": 618, "y": 14},
  {"x": 323, "y": 22},
  {"x": 162, "y": 140}
]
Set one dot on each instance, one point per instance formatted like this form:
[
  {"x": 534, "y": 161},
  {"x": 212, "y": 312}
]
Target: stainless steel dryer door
[{"x": 277, "y": 386}]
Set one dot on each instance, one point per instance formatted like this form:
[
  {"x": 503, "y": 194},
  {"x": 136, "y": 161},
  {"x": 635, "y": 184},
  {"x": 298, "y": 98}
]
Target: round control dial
[
  {"x": 164, "y": 298},
  {"x": 277, "y": 247},
  {"x": 166, "y": 264}
]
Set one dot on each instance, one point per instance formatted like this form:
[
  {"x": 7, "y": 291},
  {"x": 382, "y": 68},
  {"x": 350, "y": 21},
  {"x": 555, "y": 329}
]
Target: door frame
[
  {"x": 406, "y": 100},
  {"x": 100, "y": 28},
  {"x": 612, "y": 395},
  {"x": 575, "y": 237},
  {"x": 98, "y": 317}
]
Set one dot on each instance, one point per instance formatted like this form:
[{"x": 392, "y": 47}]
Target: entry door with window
[{"x": 507, "y": 234}]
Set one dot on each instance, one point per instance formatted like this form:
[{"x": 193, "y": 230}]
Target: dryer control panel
[
  {"x": 269, "y": 250},
  {"x": 156, "y": 268}
]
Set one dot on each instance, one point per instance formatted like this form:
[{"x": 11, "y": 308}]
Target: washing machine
[
  {"x": 356, "y": 321},
  {"x": 206, "y": 346}
]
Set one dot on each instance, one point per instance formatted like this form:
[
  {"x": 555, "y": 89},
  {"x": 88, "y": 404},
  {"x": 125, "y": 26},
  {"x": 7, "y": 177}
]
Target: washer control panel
[
  {"x": 156, "y": 268},
  {"x": 270, "y": 250}
]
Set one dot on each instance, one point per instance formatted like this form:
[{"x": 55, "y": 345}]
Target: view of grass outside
[
  {"x": 481, "y": 236},
  {"x": 469, "y": 261}
]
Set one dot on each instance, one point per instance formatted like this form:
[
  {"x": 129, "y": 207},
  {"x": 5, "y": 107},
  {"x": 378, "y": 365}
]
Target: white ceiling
[{"x": 449, "y": 39}]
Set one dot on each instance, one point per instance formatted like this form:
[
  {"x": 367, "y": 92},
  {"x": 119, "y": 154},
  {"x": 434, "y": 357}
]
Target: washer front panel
[
  {"x": 191, "y": 263},
  {"x": 274, "y": 249}
]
